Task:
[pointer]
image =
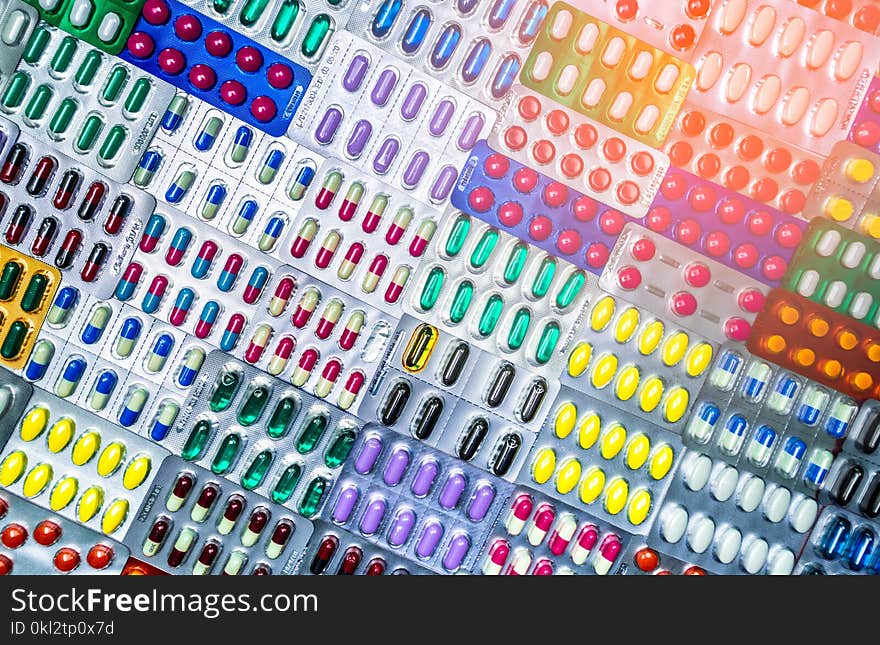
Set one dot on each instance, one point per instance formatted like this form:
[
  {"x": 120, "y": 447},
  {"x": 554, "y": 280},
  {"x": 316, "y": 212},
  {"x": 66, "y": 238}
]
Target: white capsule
[
  {"x": 543, "y": 65},
  {"x": 835, "y": 293},
  {"x": 828, "y": 243},
  {"x": 874, "y": 268},
  {"x": 751, "y": 493},
  {"x": 803, "y": 514},
  {"x": 667, "y": 78},
  {"x": 727, "y": 545},
  {"x": 776, "y": 504},
  {"x": 755, "y": 556},
  {"x": 593, "y": 93},
  {"x": 561, "y": 25},
  {"x": 861, "y": 305},
  {"x": 567, "y": 79},
  {"x": 700, "y": 533},
  {"x": 808, "y": 282},
  {"x": 853, "y": 255},
  {"x": 613, "y": 51},
  {"x": 724, "y": 483},
  {"x": 673, "y": 523},
  {"x": 641, "y": 65},
  {"x": 80, "y": 13},
  {"x": 587, "y": 38},
  {"x": 622, "y": 103},
  {"x": 109, "y": 27},
  {"x": 647, "y": 118},
  {"x": 14, "y": 28}
]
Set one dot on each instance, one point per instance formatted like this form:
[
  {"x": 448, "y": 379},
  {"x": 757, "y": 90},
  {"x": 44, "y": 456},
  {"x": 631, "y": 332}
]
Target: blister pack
[
  {"x": 403, "y": 495},
  {"x": 790, "y": 67},
  {"x": 473, "y": 271},
  {"x": 651, "y": 367},
  {"x": 861, "y": 14},
  {"x": 661, "y": 275},
  {"x": 36, "y": 542},
  {"x": 769, "y": 421},
  {"x": 865, "y": 129},
  {"x": 360, "y": 235},
  {"x": 853, "y": 484},
  {"x": 419, "y": 131},
  {"x": 194, "y": 521},
  {"x": 743, "y": 158},
  {"x": 14, "y": 395},
  {"x": 541, "y": 537},
  {"x": 477, "y": 47},
  {"x": 17, "y": 21},
  {"x": 105, "y": 24},
  {"x": 603, "y": 164},
  {"x": 93, "y": 107},
  {"x": 818, "y": 343},
  {"x": 865, "y": 436},
  {"x": 842, "y": 543},
  {"x": 333, "y": 551},
  {"x": 729, "y": 522},
  {"x": 643, "y": 560},
  {"x": 837, "y": 268},
  {"x": 607, "y": 74},
  {"x": 615, "y": 462},
  {"x": 68, "y": 460},
  {"x": 535, "y": 208},
  {"x": 55, "y": 209},
  {"x": 730, "y": 228}
]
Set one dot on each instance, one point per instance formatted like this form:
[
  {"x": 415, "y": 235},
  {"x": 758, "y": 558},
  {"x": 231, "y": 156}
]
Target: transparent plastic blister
[
  {"x": 864, "y": 440},
  {"x": 865, "y": 129},
  {"x": 14, "y": 396},
  {"x": 17, "y": 20},
  {"x": 641, "y": 559},
  {"x": 196, "y": 522},
  {"x": 105, "y": 24},
  {"x": 853, "y": 484},
  {"x": 861, "y": 14},
  {"x": 842, "y": 543}
]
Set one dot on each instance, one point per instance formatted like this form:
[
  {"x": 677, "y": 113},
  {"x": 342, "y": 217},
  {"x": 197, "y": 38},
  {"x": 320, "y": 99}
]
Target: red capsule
[
  {"x": 262, "y": 570},
  {"x": 67, "y": 188},
  {"x": 4, "y": 508},
  {"x": 350, "y": 561},
  {"x": 376, "y": 567},
  {"x": 19, "y": 224},
  {"x": 324, "y": 554},
  {"x": 43, "y": 171},
  {"x": 94, "y": 262},
  {"x": 204, "y": 503},
  {"x": 45, "y": 236},
  {"x": 91, "y": 203},
  {"x": 207, "y": 557},
  {"x": 181, "y": 490},
  {"x": 118, "y": 212},
  {"x": 15, "y": 161},
  {"x": 69, "y": 249}
]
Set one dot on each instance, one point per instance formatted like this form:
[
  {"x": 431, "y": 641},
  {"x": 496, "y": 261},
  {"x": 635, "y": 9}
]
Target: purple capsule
[
  {"x": 430, "y": 538},
  {"x": 396, "y": 466},
  {"x": 361, "y": 134},
  {"x": 401, "y": 527},
  {"x": 411, "y": 105},
  {"x": 442, "y": 116},
  {"x": 452, "y": 490},
  {"x": 415, "y": 169},
  {"x": 345, "y": 504},
  {"x": 455, "y": 554},
  {"x": 471, "y": 131},
  {"x": 386, "y": 155},
  {"x": 444, "y": 183},
  {"x": 480, "y": 502},
  {"x": 373, "y": 516},
  {"x": 326, "y": 129},
  {"x": 368, "y": 455},
  {"x": 355, "y": 73},
  {"x": 383, "y": 87},
  {"x": 425, "y": 476}
]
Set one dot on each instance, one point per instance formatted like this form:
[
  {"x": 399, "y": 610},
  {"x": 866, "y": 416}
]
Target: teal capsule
[
  {"x": 571, "y": 289},
  {"x": 284, "y": 413},
  {"x": 544, "y": 277},
  {"x": 491, "y": 315},
  {"x": 519, "y": 328},
  {"x": 246, "y": 214},
  {"x": 484, "y": 248},
  {"x": 432, "y": 289},
  {"x": 197, "y": 441},
  {"x": 339, "y": 448},
  {"x": 225, "y": 387},
  {"x": 461, "y": 301},
  {"x": 312, "y": 433},
  {"x": 227, "y": 453},
  {"x": 286, "y": 483},
  {"x": 516, "y": 262},
  {"x": 255, "y": 400},
  {"x": 547, "y": 343},
  {"x": 458, "y": 235},
  {"x": 312, "y": 498},
  {"x": 256, "y": 471}
]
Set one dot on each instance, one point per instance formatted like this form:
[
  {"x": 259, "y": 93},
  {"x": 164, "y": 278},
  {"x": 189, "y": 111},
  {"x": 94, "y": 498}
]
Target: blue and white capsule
[
  {"x": 240, "y": 147},
  {"x": 102, "y": 390},
  {"x": 178, "y": 189},
  {"x": 247, "y": 211},
  {"x": 126, "y": 339},
  {"x": 213, "y": 201},
  {"x": 703, "y": 423},
  {"x": 62, "y": 307},
  {"x": 785, "y": 391},
  {"x": 41, "y": 357},
  {"x": 726, "y": 370},
  {"x": 192, "y": 363},
  {"x": 70, "y": 377},
  {"x": 159, "y": 352},
  {"x": 818, "y": 464},
  {"x": 790, "y": 458},
  {"x": 96, "y": 324},
  {"x": 271, "y": 234},
  {"x": 146, "y": 168},
  {"x": 135, "y": 401},
  {"x": 301, "y": 182},
  {"x": 812, "y": 405},
  {"x": 731, "y": 440},
  {"x": 206, "y": 137},
  {"x": 841, "y": 415},
  {"x": 174, "y": 115},
  {"x": 271, "y": 165},
  {"x": 755, "y": 381},
  {"x": 761, "y": 446},
  {"x": 165, "y": 418}
]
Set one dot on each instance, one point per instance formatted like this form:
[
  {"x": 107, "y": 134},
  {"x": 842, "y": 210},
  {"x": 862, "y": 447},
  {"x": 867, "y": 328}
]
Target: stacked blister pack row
[{"x": 489, "y": 287}]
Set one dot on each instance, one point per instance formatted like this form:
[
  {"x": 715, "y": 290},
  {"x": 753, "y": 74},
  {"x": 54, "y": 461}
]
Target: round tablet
[
  {"x": 754, "y": 556},
  {"x": 673, "y": 522},
  {"x": 724, "y": 483},
  {"x": 700, "y": 533},
  {"x": 698, "y": 473},
  {"x": 781, "y": 563},
  {"x": 803, "y": 514},
  {"x": 727, "y": 545},
  {"x": 751, "y": 494},
  {"x": 776, "y": 504}
]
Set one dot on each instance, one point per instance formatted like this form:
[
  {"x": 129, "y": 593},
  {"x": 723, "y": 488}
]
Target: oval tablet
[
  {"x": 673, "y": 523},
  {"x": 767, "y": 94},
  {"x": 751, "y": 494},
  {"x": 776, "y": 504},
  {"x": 848, "y": 60},
  {"x": 698, "y": 473},
  {"x": 724, "y": 483},
  {"x": 700, "y": 533},
  {"x": 803, "y": 514},
  {"x": 790, "y": 37},
  {"x": 727, "y": 545},
  {"x": 781, "y": 563},
  {"x": 755, "y": 556},
  {"x": 824, "y": 117}
]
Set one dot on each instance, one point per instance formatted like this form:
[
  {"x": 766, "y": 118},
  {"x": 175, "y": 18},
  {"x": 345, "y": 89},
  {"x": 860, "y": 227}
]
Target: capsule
[
  {"x": 192, "y": 363},
  {"x": 785, "y": 391},
  {"x": 128, "y": 335},
  {"x": 204, "y": 259},
  {"x": 119, "y": 211},
  {"x": 94, "y": 262},
  {"x": 164, "y": 420},
  {"x": 133, "y": 405},
  {"x": 247, "y": 211},
  {"x": 255, "y": 285},
  {"x": 306, "y": 307},
  {"x": 182, "y": 305},
  {"x": 328, "y": 378},
  {"x": 207, "y": 135},
  {"x": 67, "y": 188},
  {"x": 42, "y": 173},
  {"x": 19, "y": 224},
  {"x": 303, "y": 179},
  {"x": 96, "y": 324},
  {"x": 232, "y": 333},
  {"x": 152, "y": 233},
  {"x": 271, "y": 234},
  {"x": 428, "y": 416},
  {"x": 472, "y": 438},
  {"x": 331, "y": 185},
  {"x": 70, "y": 377},
  {"x": 304, "y": 237},
  {"x": 397, "y": 284},
  {"x": 214, "y": 199},
  {"x": 307, "y": 361},
  {"x": 146, "y": 168},
  {"x": 241, "y": 144},
  {"x": 374, "y": 273},
  {"x": 177, "y": 248},
  {"x": 231, "y": 270},
  {"x": 755, "y": 381},
  {"x": 325, "y": 254},
  {"x": 174, "y": 115},
  {"x": 156, "y": 537},
  {"x": 102, "y": 389},
  {"x": 39, "y": 361},
  {"x": 834, "y": 538},
  {"x": 178, "y": 188},
  {"x": 839, "y": 418},
  {"x": 281, "y": 355},
  {"x": 258, "y": 343}
]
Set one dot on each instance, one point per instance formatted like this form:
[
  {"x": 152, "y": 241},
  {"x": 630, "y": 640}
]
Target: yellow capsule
[
  {"x": 566, "y": 417},
  {"x": 568, "y": 476},
  {"x": 85, "y": 447},
  {"x": 639, "y": 507},
  {"x": 136, "y": 471},
  {"x": 579, "y": 359},
  {"x": 612, "y": 442},
  {"x": 650, "y": 338},
  {"x": 90, "y": 503},
  {"x": 601, "y": 314},
  {"x": 592, "y": 485},
  {"x": 698, "y": 359},
  {"x": 627, "y": 383},
  {"x": 63, "y": 493},
  {"x": 110, "y": 459},
  {"x": 588, "y": 432},
  {"x": 12, "y": 468},
  {"x": 544, "y": 465},
  {"x": 114, "y": 516},
  {"x": 35, "y": 482},
  {"x": 674, "y": 348},
  {"x": 61, "y": 434},
  {"x": 637, "y": 451},
  {"x": 33, "y": 423},
  {"x": 626, "y": 325},
  {"x": 604, "y": 371},
  {"x": 616, "y": 495},
  {"x": 661, "y": 462},
  {"x": 652, "y": 392},
  {"x": 676, "y": 404}
]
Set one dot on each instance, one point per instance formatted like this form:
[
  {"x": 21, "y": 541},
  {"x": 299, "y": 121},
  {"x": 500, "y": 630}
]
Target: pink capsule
[
  {"x": 352, "y": 259},
  {"x": 329, "y": 319},
  {"x": 352, "y": 387},
  {"x": 420, "y": 242},
  {"x": 229, "y": 275},
  {"x": 158, "y": 287},
  {"x": 518, "y": 514},
  {"x": 352, "y": 330},
  {"x": 305, "y": 308},
  {"x": 541, "y": 523},
  {"x": 281, "y": 296},
  {"x": 232, "y": 332},
  {"x": 498, "y": 554},
  {"x": 586, "y": 540},
  {"x": 325, "y": 254},
  {"x": 283, "y": 352},
  {"x": 608, "y": 552},
  {"x": 204, "y": 259},
  {"x": 303, "y": 370},
  {"x": 398, "y": 282},
  {"x": 329, "y": 376},
  {"x": 259, "y": 341},
  {"x": 520, "y": 563},
  {"x": 562, "y": 534},
  {"x": 304, "y": 238},
  {"x": 543, "y": 567}
]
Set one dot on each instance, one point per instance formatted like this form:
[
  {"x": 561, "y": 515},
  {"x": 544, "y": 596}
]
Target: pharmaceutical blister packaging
[
  {"x": 861, "y": 14},
  {"x": 298, "y": 30},
  {"x": 641, "y": 559},
  {"x": 399, "y": 124},
  {"x": 538, "y": 536},
  {"x": 792, "y": 69},
  {"x": 865, "y": 129},
  {"x": 14, "y": 395},
  {"x": 818, "y": 343},
  {"x": 27, "y": 287},
  {"x": 581, "y": 153},
  {"x": 34, "y": 541},
  {"x": 360, "y": 235},
  {"x": 607, "y": 74},
  {"x": 105, "y": 24},
  {"x": 78, "y": 465},
  {"x": 197, "y": 523},
  {"x": 650, "y": 366},
  {"x": 418, "y": 502},
  {"x": 263, "y": 434},
  {"x": 769, "y": 421},
  {"x": 91, "y": 106},
  {"x": 188, "y": 49},
  {"x": 533, "y": 207},
  {"x": 730, "y": 522},
  {"x": 843, "y": 543},
  {"x": 864, "y": 439},
  {"x": 853, "y": 484},
  {"x": 211, "y": 285},
  {"x": 473, "y": 272},
  {"x": 64, "y": 213},
  {"x": 335, "y": 552},
  {"x": 848, "y": 191},
  {"x": 743, "y": 158},
  {"x": 730, "y": 228},
  {"x": 616, "y": 466},
  {"x": 476, "y": 47},
  {"x": 17, "y": 20},
  {"x": 837, "y": 268}
]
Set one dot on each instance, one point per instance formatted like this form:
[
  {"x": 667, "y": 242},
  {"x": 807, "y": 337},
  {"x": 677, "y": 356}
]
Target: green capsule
[
  {"x": 255, "y": 401},
  {"x": 138, "y": 96},
  {"x": 35, "y": 292},
  {"x": 14, "y": 341},
  {"x": 483, "y": 250},
  {"x": 252, "y": 11},
  {"x": 89, "y": 133},
  {"x": 255, "y": 473},
  {"x": 547, "y": 343},
  {"x": 112, "y": 143},
  {"x": 519, "y": 329},
  {"x": 311, "y": 500},
  {"x": 225, "y": 388},
  {"x": 339, "y": 448},
  {"x": 286, "y": 483},
  {"x": 115, "y": 82},
  {"x": 221, "y": 6},
  {"x": 196, "y": 441},
  {"x": 458, "y": 235},
  {"x": 433, "y": 287},
  {"x": 285, "y": 20},
  {"x": 64, "y": 54},
  {"x": 284, "y": 413},
  {"x": 37, "y": 105},
  {"x": 312, "y": 433},
  {"x": 9, "y": 279},
  {"x": 571, "y": 289},
  {"x": 542, "y": 282},
  {"x": 516, "y": 262},
  {"x": 314, "y": 38},
  {"x": 461, "y": 302},
  {"x": 88, "y": 68},
  {"x": 36, "y": 45},
  {"x": 16, "y": 90},
  {"x": 491, "y": 315},
  {"x": 226, "y": 454},
  {"x": 63, "y": 117}
]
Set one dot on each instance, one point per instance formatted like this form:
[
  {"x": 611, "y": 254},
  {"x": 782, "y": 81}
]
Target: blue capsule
[
  {"x": 818, "y": 465},
  {"x": 837, "y": 423},
  {"x": 128, "y": 335},
  {"x": 784, "y": 392},
  {"x": 246, "y": 214},
  {"x": 229, "y": 339},
  {"x": 861, "y": 546},
  {"x": 703, "y": 424},
  {"x": 532, "y": 21},
  {"x": 134, "y": 405},
  {"x": 271, "y": 234},
  {"x": 834, "y": 538},
  {"x": 466, "y": 6},
  {"x": 725, "y": 370},
  {"x": 70, "y": 377},
  {"x": 214, "y": 199},
  {"x": 384, "y": 19},
  {"x": 173, "y": 117},
  {"x": 734, "y": 430},
  {"x": 499, "y": 13},
  {"x": 476, "y": 60},
  {"x": 444, "y": 48},
  {"x": 160, "y": 352},
  {"x": 96, "y": 324},
  {"x": 182, "y": 304},
  {"x": 207, "y": 136},
  {"x": 207, "y": 318},
  {"x": 179, "y": 244},
  {"x": 165, "y": 418},
  {"x": 180, "y": 186},
  {"x": 147, "y": 167},
  {"x": 271, "y": 165},
  {"x": 41, "y": 357},
  {"x": 62, "y": 306},
  {"x": 415, "y": 33},
  {"x": 241, "y": 144},
  {"x": 755, "y": 381},
  {"x": 103, "y": 388},
  {"x": 301, "y": 182},
  {"x": 761, "y": 446},
  {"x": 152, "y": 232},
  {"x": 192, "y": 363},
  {"x": 506, "y": 75}
]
